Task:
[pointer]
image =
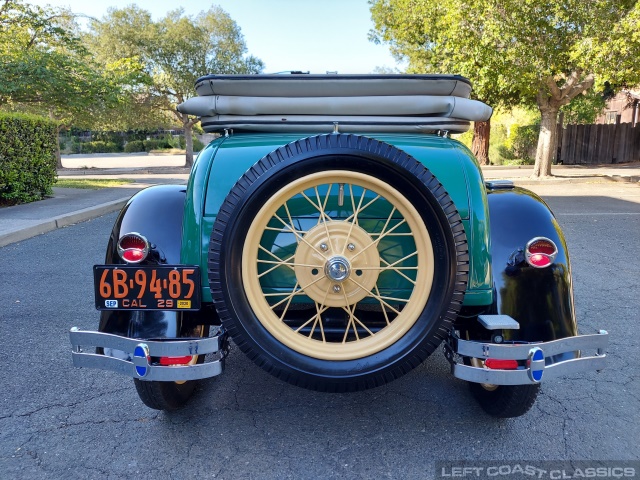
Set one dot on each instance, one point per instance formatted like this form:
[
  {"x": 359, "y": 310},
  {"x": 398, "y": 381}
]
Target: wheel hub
[
  {"x": 337, "y": 268},
  {"x": 337, "y": 263}
]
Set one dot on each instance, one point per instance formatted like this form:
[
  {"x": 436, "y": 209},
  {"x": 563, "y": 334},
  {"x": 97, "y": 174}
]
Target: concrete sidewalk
[
  {"x": 69, "y": 205},
  {"x": 72, "y": 205}
]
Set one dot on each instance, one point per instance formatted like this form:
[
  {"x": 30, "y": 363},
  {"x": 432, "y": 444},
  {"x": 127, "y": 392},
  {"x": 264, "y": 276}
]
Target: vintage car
[{"x": 338, "y": 235}]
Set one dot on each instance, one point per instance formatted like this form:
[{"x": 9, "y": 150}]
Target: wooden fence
[{"x": 599, "y": 144}]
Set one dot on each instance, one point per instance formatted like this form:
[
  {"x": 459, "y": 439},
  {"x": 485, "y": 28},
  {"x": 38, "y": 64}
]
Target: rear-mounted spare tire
[{"x": 338, "y": 263}]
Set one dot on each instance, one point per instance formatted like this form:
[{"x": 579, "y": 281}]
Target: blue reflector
[
  {"x": 537, "y": 375},
  {"x": 141, "y": 359},
  {"x": 538, "y": 355}
]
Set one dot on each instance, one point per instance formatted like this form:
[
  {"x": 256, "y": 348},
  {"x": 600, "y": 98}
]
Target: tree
[
  {"x": 435, "y": 36},
  {"x": 175, "y": 51},
  {"x": 546, "y": 52},
  {"x": 47, "y": 70}
]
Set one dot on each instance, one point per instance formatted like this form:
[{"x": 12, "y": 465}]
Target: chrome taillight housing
[
  {"x": 133, "y": 247},
  {"x": 540, "y": 252}
]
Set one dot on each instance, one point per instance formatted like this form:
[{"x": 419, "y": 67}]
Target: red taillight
[
  {"x": 133, "y": 247},
  {"x": 496, "y": 364},
  {"x": 175, "y": 360},
  {"x": 540, "y": 252}
]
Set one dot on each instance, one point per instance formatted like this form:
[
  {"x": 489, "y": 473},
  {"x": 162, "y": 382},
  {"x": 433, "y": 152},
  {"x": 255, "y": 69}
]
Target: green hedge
[
  {"x": 134, "y": 146},
  {"x": 100, "y": 146},
  {"x": 27, "y": 157}
]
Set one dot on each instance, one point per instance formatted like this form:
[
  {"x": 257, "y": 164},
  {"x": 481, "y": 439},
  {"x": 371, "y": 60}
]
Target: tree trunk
[
  {"x": 480, "y": 144},
  {"x": 546, "y": 142},
  {"x": 188, "y": 139},
  {"x": 58, "y": 155},
  {"x": 58, "y": 128}
]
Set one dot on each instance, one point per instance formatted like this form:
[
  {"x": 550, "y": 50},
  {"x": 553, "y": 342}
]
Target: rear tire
[
  {"x": 170, "y": 395},
  {"x": 505, "y": 401},
  {"x": 164, "y": 395}
]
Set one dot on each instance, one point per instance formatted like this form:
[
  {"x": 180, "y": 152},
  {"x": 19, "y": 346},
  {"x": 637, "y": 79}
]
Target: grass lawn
[{"x": 91, "y": 183}]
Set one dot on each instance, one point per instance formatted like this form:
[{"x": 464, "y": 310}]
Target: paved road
[{"x": 59, "y": 422}]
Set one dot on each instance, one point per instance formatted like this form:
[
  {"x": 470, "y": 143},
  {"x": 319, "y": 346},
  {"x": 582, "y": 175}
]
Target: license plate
[{"x": 146, "y": 287}]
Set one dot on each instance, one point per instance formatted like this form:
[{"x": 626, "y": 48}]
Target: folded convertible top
[{"x": 315, "y": 103}]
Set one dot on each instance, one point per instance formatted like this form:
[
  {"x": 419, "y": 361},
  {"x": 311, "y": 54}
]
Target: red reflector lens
[
  {"x": 540, "y": 252},
  {"x": 542, "y": 246},
  {"x": 133, "y": 247},
  {"x": 132, "y": 241},
  {"x": 175, "y": 360},
  {"x": 501, "y": 364},
  {"x": 133, "y": 255},
  {"x": 539, "y": 260}
]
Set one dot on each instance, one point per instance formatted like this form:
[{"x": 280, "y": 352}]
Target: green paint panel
[{"x": 225, "y": 160}]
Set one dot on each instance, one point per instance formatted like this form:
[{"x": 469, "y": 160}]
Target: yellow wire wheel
[
  {"x": 338, "y": 266},
  {"x": 337, "y": 262}
]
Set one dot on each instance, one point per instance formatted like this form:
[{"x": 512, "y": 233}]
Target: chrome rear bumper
[
  {"x": 536, "y": 359},
  {"x": 134, "y": 357}
]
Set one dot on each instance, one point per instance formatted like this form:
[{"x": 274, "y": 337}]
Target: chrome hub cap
[{"x": 337, "y": 269}]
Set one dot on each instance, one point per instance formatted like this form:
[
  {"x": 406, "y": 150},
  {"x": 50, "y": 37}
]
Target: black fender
[
  {"x": 156, "y": 213},
  {"x": 540, "y": 299}
]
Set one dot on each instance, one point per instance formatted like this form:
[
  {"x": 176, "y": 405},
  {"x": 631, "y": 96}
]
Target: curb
[
  {"x": 625, "y": 179},
  {"x": 60, "y": 221},
  {"x": 74, "y": 172}
]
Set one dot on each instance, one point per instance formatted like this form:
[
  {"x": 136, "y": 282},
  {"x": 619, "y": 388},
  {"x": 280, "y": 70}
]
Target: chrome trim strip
[
  {"x": 138, "y": 366},
  {"x": 506, "y": 351},
  {"x": 154, "y": 373},
  {"x": 174, "y": 347},
  {"x": 535, "y": 366},
  {"x": 521, "y": 377}
]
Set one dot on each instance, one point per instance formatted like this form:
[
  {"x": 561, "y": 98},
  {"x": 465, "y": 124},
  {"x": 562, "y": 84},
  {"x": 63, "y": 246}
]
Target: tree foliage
[
  {"x": 174, "y": 52},
  {"x": 47, "y": 70},
  {"x": 535, "y": 52}
]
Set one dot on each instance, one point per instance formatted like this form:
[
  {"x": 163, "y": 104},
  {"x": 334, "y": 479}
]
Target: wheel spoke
[
  {"x": 299, "y": 236},
  {"x": 280, "y": 261},
  {"x": 323, "y": 205},
  {"x": 348, "y": 310},
  {"x": 377, "y": 240},
  {"x": 314, "y": 317},
  {"x": 371, "y": 294},
  {"x": 276, "y": 265},
  {"x": 397, "y": 270},
  {"x": 356, "y": 212},
  {"x": 368, "y": 204},
  {"x": 290, "y": 298},
  {"x": 286, "y": 208},
  {"x": 349, "y": 324},
  {"x": 323, "y": 216},
  {"x": 384, "y": 311},
  {"x": 294, "y": 264},
  {"x": 392, "y": 266}
]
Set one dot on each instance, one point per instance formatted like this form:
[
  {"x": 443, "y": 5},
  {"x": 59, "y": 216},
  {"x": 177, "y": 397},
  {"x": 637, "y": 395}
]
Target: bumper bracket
[
  {"x": 536, "y": 360},
  {"x": 137, "y": 358}
]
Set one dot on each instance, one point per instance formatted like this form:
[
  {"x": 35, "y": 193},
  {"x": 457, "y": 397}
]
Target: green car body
[{"x": 223, "y": 161}]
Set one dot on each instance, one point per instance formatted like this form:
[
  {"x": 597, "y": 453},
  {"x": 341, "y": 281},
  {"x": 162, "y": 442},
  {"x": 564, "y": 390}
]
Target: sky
[{"x": 307, "y": 35}]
